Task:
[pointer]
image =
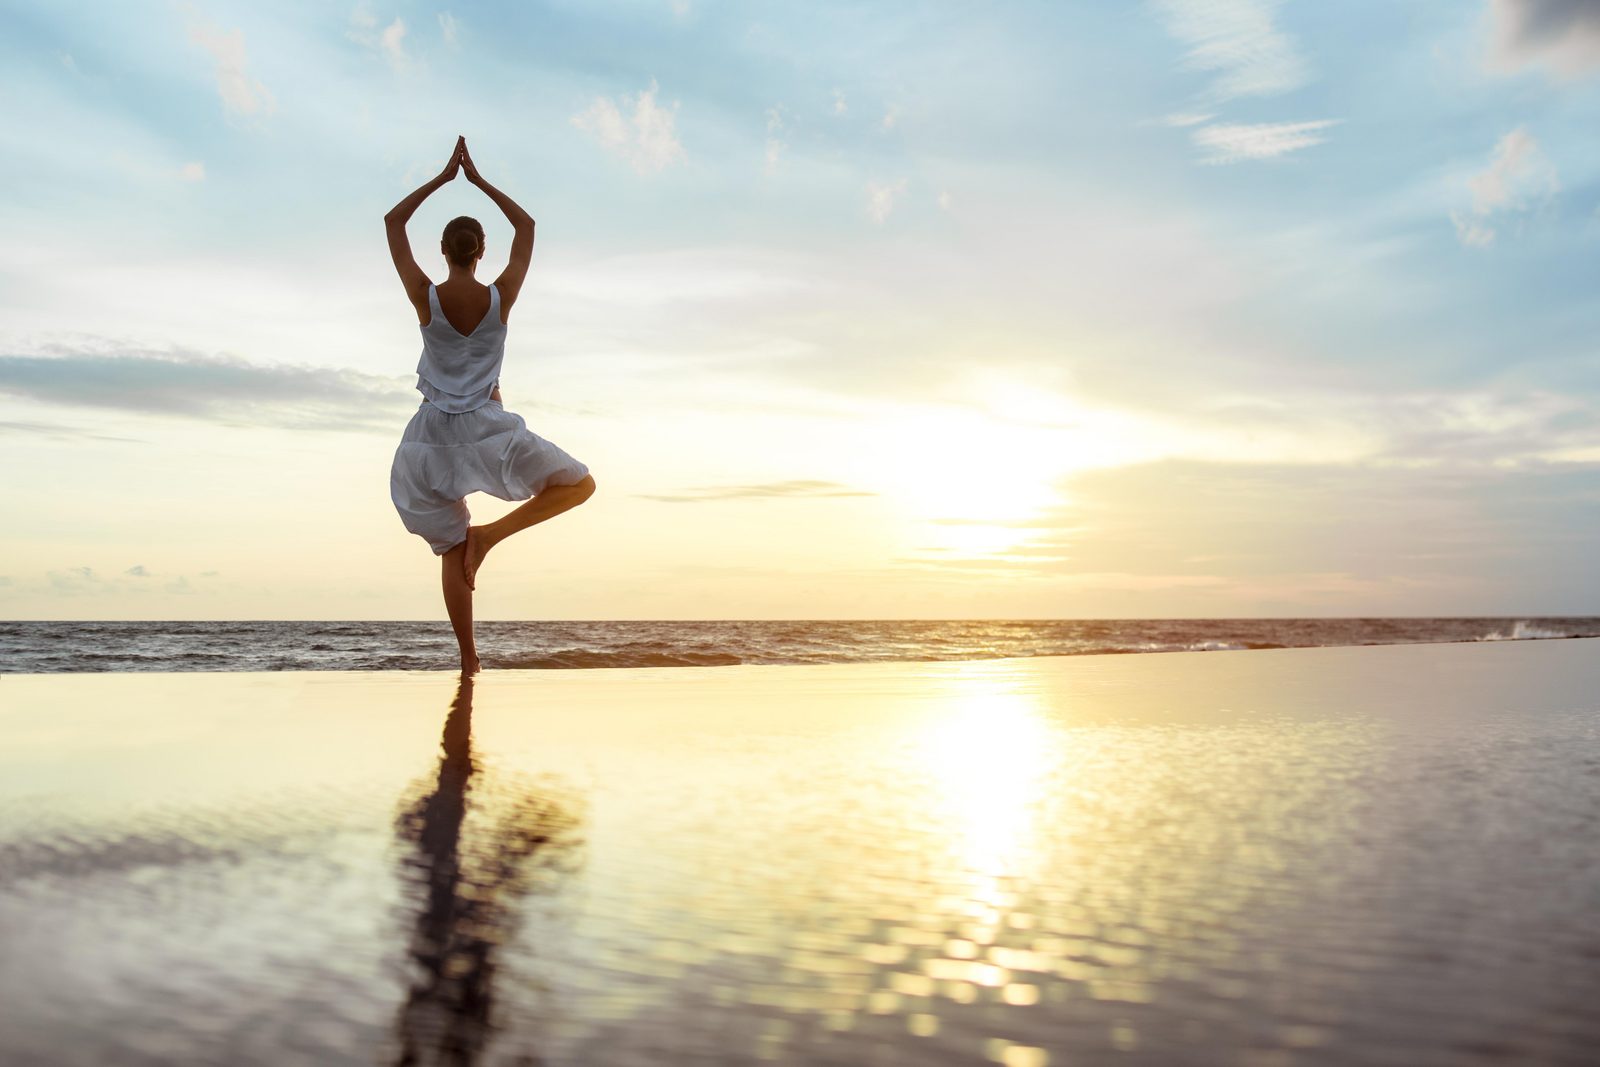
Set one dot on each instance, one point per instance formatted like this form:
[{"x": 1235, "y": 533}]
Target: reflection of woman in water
[
  {"x": 462, "y": 440},
  {"x": 468, "y": 893}
]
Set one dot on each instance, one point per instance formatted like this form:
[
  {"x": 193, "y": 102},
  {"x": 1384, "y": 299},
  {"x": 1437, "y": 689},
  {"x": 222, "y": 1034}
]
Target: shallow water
[{"x": 1362, "y": 856}]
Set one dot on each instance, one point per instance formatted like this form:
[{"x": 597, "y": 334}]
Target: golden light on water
[{"x": 987, "y": 751}]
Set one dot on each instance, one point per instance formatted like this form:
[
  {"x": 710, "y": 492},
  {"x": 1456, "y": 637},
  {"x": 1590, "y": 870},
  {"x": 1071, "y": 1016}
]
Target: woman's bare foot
[{"x": 477, "y": 547}]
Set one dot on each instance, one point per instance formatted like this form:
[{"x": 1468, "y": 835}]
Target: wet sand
[{"x": 1316, "y": 856}]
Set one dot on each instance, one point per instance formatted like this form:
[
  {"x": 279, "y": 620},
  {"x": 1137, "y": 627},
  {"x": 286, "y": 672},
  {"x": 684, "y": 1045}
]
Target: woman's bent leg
[
  {"x": 547, "y": 505},
  {"x": 458, "y": 603}
]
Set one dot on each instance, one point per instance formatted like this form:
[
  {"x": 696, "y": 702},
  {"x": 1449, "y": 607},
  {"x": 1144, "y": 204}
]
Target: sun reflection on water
[{"x": 988, "y": 748}]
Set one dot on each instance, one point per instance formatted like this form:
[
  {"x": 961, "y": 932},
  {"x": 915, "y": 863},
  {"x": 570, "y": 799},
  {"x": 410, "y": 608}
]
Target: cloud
[
  {"x": 1470, "y": 232},
  {"x": 1234, "y": 143},
  {"x": 1241, "y": 43},
  {"x": 1517, "y": 163},
  {"x": 775, "y": 145},
  {"x": 392, "y": 42},
  {"x": 1266, "y": 538},
  {"x": 193, "y": 172},
  {"x": 891, "y": 115},
  {"x": 447, "y": 27},
  {"x": 389, "y": 42},
  {"x": 221, "y": 389},
  {"x": 647, "y": 139},
  {"x": 57, "y": 432},
  {"x": 1563, "y": 34},
  {"x": 1517, "y": 179},
  {"x": 799, "y": 487},
  {"x": 1239, "y": 40},
  {"x": 241, "y": 94},
  {"x": 881, "y": 197},
  {"x": 839, "y": 105},
  {"x": 86, "y": 581},
  {"x": 74, "y": 580}
]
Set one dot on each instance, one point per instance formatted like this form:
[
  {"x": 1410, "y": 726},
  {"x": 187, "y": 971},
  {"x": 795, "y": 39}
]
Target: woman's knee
[{"x": 586, "y": 486}]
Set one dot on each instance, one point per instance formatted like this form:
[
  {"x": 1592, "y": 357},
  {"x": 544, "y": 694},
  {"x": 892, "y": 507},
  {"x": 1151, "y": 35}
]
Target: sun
[{"x": 976, "y": 478}]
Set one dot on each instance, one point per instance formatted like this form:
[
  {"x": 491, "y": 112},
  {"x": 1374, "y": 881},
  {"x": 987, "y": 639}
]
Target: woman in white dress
[{"x": 462, "y": 439}]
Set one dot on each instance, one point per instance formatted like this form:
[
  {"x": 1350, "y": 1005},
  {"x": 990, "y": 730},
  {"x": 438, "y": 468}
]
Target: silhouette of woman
[{"x": 462, "y": 439}]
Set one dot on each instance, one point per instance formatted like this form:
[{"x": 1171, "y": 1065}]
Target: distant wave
[
  {"x": 1526, "y": 630},
  {"x": 50, "y": 647}
]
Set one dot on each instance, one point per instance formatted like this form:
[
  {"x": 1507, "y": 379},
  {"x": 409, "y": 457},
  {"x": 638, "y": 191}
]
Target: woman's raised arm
[
  {"x": 510, "y": 281},
  {"x": 394, "y": 222}
]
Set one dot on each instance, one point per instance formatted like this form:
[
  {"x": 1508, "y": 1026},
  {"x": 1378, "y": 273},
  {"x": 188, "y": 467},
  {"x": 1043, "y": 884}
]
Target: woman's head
[{"x": 463, "y": 240}]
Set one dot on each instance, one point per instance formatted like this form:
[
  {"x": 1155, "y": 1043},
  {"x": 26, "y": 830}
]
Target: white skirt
[{"x": 443, "y": 456}]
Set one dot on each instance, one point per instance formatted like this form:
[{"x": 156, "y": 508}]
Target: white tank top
[{"x": 457, "y": 371}]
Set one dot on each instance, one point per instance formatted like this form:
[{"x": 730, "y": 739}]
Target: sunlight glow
[
  {"x": 988, "y": 752},
  {"x": 972, "y": 477}
]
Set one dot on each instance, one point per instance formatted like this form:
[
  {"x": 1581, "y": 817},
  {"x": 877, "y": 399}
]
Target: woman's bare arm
[
  {"x": 510, "y": 281},
  {"x": 411, "y": 276}
]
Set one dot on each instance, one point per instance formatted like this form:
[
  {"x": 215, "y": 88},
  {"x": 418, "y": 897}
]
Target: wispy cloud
[
  {"x": 775, "y": 144},
  {"x": 881, "y": 197},
  {"x": 241, "y": 94},
  {"x": 646, "y": 137},
  {"x": 55, "y": 431},
  {"x": 221, "y": 389},
  {"x": 1234, "y": 143},
  {"x": 1240, "y": 41},
  {"x": 136, "y": 580},
  {"x": 839, "y": 104},
  {"x": 447, "y": 27},
  {"x": 799, "y": 487},
  {"x": 1517, "y": 179},
  {"x": 1254, "y": 538},
  {"x": 1563, "y": 34},
  {"x": 389, "y": 42},
  {"x": 193, "y": 172}
]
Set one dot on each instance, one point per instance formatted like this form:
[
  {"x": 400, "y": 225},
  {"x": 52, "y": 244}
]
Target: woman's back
[{"x": 457, "y": 371}]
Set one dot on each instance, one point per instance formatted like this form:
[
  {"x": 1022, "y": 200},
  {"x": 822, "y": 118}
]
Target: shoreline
[{"x": 687, "y": 655}]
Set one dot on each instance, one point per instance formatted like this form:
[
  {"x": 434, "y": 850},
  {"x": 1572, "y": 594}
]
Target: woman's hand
[
  {"x": 401, "y": 213},
  {"x": 467, "y": 164},
  {"x": 450, "y": 168}
]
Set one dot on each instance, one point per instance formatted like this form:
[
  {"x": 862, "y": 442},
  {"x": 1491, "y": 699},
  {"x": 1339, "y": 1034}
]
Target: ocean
[{"x": 55, "y": 647}]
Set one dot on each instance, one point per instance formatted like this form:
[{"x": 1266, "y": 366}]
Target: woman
[{"x": 461, "y": 440}]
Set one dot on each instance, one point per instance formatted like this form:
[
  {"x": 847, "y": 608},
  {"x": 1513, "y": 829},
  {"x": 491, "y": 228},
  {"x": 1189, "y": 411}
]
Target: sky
[{"x": 1198, "y": 308}]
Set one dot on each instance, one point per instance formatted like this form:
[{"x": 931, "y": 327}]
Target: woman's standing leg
[{"x": 458, "y": 602}]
